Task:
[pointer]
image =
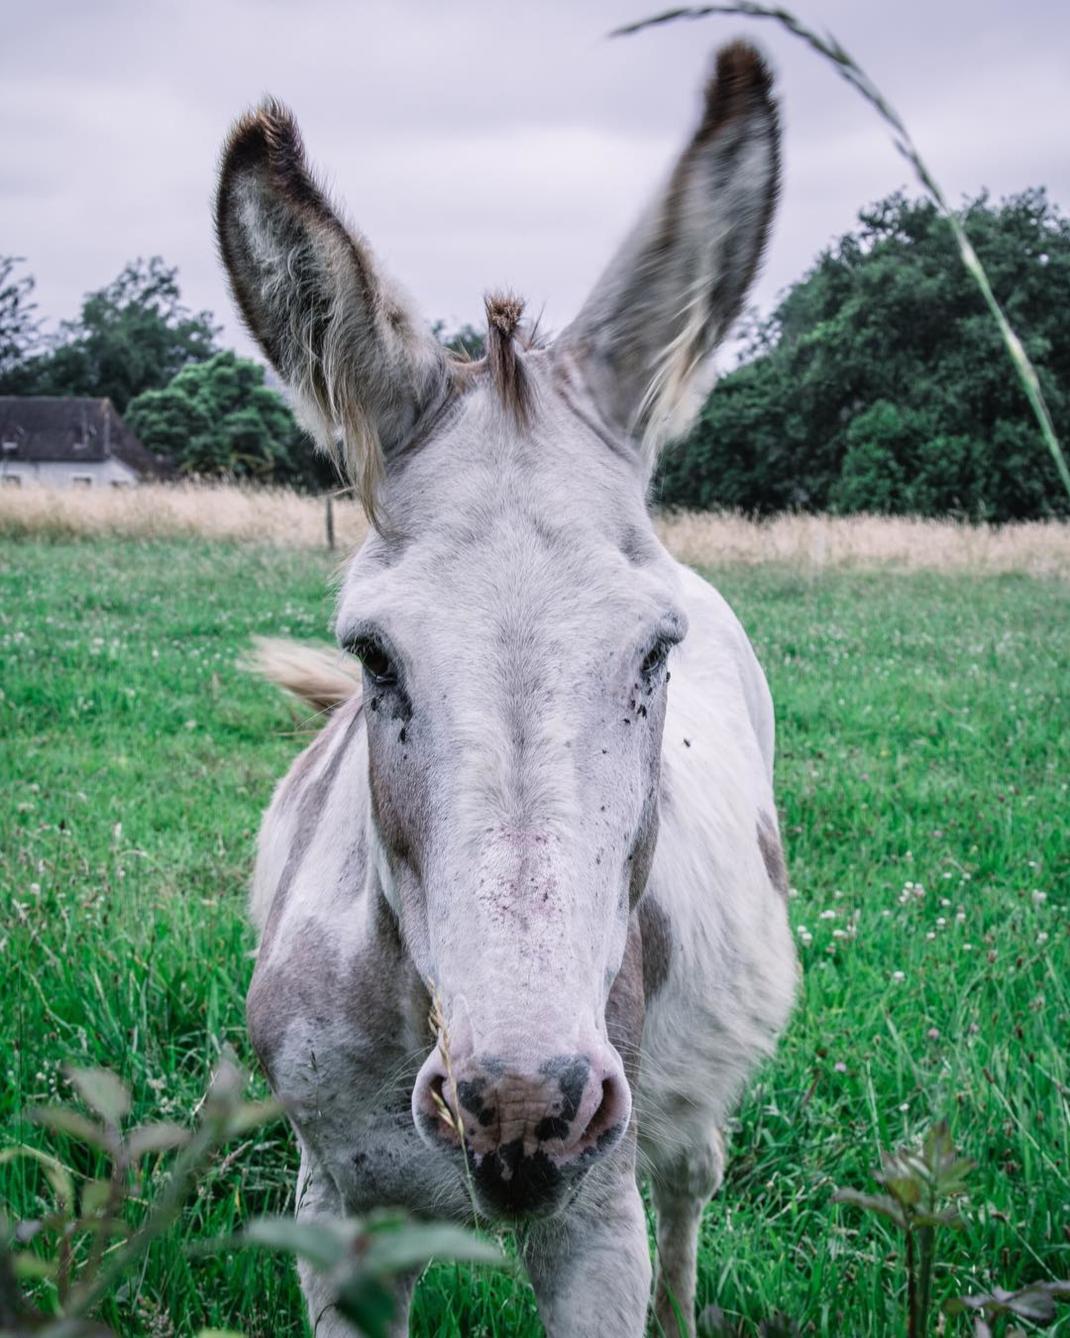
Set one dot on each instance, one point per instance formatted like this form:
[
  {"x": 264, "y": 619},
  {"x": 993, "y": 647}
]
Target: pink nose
[{"x": 522, "y": 1129}]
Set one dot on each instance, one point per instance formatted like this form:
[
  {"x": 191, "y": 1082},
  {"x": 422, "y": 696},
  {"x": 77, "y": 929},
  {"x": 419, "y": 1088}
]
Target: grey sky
[{"x": 481, "y": 145}]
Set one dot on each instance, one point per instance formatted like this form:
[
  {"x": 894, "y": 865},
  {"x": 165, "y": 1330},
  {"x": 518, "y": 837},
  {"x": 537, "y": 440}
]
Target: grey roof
[{"x": 78, "y": 431}]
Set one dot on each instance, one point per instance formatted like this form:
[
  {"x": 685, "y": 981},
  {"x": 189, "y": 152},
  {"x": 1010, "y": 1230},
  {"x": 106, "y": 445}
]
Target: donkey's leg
[
  {"x": 681, "y": 1189},
  {"x": 318, "y": 1197},
  {"x": 591, "y": 1267}
]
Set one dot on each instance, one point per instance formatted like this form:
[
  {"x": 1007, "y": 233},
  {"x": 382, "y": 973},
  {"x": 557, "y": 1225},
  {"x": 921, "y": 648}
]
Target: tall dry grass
[
  {"x": 907, "y": 542},
  {"x": 282, "y": 518},
  {"x": 274, "y": 516}
]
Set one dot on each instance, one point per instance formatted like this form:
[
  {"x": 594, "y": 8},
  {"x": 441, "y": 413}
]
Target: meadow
[{"x": 924, "y": 738}]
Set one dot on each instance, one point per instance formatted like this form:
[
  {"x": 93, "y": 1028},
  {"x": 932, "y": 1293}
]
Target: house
[{"x": 71, "y": 442}]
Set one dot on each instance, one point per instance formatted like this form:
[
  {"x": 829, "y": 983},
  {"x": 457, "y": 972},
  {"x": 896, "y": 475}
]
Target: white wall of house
[{"x": 66, "y": 473}]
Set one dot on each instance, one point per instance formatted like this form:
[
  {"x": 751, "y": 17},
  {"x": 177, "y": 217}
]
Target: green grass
[{"x": 924, "y": 740}]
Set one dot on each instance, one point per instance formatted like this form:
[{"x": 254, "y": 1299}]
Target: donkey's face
[{"x": 513, "y": 611}]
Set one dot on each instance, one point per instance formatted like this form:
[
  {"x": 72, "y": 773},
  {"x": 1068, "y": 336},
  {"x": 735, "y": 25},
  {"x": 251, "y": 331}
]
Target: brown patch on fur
[
  {"x": 656, "y": 930},
  {"x": 625, "y": 1008},
  {"x": 773, "y": 853},
  {"x": 314, "y": 794},
  {"x": 638, "y": 547},
  {"x": 506, "y": 369},
  {"x": 314, "y": 984}
]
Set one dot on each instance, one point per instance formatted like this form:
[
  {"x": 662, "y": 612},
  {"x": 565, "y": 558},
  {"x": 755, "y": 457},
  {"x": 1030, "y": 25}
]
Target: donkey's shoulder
[{"x": 313, "y": 785}]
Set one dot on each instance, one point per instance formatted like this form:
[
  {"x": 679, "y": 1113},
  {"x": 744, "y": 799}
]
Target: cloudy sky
[{"x": 481, "y": 145}]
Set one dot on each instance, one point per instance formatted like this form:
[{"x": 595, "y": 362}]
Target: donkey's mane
[{"x": 507, "y": 336}]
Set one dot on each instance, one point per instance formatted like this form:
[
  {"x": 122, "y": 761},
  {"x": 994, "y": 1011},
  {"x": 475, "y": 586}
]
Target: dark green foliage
[
  {"x": 219, "y": 418},
  {"x": 19, "y": 330},
  {"x": 131, "y": 336},
  {"x": 467, "y": 341},
  {"x": 880, "y": 382}
]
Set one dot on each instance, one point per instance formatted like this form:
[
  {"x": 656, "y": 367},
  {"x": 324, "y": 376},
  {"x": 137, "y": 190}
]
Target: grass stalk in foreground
[{"x": 850, "y": 70}]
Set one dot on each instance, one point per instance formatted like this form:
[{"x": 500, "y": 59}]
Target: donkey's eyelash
[
  {"x": 654, "y": 658},
  {"x": 375, "y": 659}
]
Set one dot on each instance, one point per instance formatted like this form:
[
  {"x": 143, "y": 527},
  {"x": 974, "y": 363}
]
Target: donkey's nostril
[
  {"x": 432, "y": 1109},
  {"x": 611, "y": 1118}
]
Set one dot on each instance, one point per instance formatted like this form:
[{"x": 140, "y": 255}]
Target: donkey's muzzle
[{"x": 526, "y": 1135}]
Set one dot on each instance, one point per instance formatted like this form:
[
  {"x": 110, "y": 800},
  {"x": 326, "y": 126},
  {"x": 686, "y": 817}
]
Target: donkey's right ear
[{"x": 362, "y": 365}]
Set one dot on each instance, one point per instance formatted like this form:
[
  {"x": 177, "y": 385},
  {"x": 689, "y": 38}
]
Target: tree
[
  {"x": 219, "y": 418},
  {"x": 880, "y": 382},
  {"x": 468, "y": 342},
  {"x": 19, "y": 327},
  {"x": 132, "y": 335}
]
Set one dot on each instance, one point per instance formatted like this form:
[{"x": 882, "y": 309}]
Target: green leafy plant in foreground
[
  {"x": 922, "y": 1184},
  {"x": 79, "y": 1261},
  {"x": 84, "y": 1247},
  {"x": 1035, "y": 1303},
  {"x": 361, "y": 1257}
]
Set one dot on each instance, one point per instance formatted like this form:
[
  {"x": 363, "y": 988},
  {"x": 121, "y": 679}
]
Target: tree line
[{"x": 879, "y": 383}]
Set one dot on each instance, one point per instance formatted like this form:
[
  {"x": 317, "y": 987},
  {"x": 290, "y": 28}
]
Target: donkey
[{"x": 521, "y": 906}]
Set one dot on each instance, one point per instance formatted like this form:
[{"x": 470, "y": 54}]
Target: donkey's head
[{"x": 513, "y": 610}]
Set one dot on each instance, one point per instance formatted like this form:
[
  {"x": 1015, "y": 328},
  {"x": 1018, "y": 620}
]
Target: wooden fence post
[{"x": 330, "y": 521}]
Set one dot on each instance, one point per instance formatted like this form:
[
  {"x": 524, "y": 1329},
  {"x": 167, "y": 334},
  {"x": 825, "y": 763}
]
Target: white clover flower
[
  {"x": 1042, "y": 937},
  {"x": 1039, "y": 898},
  {"x": 899, "y": 976}
]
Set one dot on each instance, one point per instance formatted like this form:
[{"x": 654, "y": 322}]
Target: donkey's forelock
[
  {"x": 507, "y": 371},
  {"x": 369, "y": 375}
]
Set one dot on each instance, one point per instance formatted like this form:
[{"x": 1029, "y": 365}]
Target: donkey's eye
[
  {"x": 377, "y": 663},
  {"x": 654, "y": 658}
]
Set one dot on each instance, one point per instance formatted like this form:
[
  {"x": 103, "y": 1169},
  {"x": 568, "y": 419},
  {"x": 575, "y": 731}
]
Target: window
[
  {"x": 81, "y": 481},
  {"x": 11, "y": 480}
]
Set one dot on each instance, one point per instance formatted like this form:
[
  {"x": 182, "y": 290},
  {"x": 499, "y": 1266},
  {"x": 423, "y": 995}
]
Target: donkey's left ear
[
  {"x": 645, "y": 336},
  {"x": 362, "y": 365}
]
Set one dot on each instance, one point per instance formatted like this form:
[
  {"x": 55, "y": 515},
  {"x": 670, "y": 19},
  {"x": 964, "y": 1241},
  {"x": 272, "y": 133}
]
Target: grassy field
[{"x": 923, "y": 778}]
